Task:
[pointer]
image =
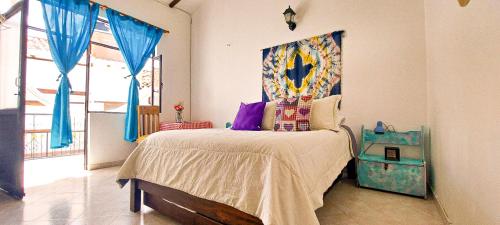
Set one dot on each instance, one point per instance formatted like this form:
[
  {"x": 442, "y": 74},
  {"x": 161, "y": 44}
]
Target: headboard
[{"x": 311, "y": 66}]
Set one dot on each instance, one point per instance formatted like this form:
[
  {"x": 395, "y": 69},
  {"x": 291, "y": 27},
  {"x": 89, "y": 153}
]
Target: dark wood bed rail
[{"x": 186, "y": 208}]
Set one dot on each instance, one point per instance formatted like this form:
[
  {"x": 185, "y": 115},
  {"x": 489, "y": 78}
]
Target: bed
[{"x": 221, "y": 176}]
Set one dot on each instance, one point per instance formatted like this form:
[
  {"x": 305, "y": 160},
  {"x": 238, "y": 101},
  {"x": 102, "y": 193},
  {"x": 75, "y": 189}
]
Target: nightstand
[{"x": 406, "y": 176}]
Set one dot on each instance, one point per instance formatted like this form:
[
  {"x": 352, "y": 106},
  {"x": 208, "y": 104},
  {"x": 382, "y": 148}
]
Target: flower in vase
[{"x": 179, "y": 107}]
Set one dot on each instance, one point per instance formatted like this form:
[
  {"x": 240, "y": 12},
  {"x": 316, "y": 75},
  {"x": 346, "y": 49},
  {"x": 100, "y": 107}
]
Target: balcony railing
[
  {"x": 37, "y": 145},
  {"x": 37, "y": 141}
]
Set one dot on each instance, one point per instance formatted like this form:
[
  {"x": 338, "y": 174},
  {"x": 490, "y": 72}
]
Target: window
[
  {"x": 150, "y": 82},
  {"x": 109, "y": 79},
  {"x": 108, "y": 87},
  {"x": 157, "y": 82}
]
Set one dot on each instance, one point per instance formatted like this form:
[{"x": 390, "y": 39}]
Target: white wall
[
  {"x": 463, "y": 52},
  {"x": 106, "y": 142},
  {"x": 383, "y": 55}
]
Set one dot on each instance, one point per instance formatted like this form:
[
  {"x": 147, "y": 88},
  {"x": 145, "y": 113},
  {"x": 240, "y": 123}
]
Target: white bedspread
[{"x": 279, "y": 177}]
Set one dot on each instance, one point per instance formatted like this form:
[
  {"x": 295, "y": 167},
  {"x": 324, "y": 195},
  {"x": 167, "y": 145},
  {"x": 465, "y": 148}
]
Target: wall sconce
[
  {"x": 463, "y": 3},
  {"x": 289, "y": 18}
]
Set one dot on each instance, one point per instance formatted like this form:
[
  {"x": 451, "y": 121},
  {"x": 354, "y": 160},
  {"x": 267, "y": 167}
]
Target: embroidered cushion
[
  {"x": 249, "y": 116},
  {"x": 292, "y": 114}
]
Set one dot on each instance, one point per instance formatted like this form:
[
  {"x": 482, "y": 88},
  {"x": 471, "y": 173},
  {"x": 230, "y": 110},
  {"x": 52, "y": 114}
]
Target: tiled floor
[{"x": 94, "y": 199}]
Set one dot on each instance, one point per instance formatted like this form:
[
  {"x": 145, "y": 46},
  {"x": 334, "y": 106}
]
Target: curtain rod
[{"x": 106, "y": 7}]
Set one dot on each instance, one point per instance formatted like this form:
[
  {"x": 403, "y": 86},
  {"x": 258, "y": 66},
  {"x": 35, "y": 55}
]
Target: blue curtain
[
  {"x": 137, "y": 42},
  {"x": 69, "y": 25}
]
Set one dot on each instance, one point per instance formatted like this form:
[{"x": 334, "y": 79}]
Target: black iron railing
[
  {"x": 37, "y": 145},
  {"x": 37, "y": 141}
]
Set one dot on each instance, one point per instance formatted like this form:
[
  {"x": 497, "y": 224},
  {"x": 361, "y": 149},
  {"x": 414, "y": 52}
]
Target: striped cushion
[{"x": 185, "y": 125}]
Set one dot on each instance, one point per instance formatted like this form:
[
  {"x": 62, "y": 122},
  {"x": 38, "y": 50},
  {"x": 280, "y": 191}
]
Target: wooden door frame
[
  {"x": 22, "y": 86},
  {"x": 86, "y": 122},
  {"x": 21, "y": 7}
]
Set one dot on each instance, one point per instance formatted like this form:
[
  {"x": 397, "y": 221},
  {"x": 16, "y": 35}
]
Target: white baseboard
[
  {"x": 105, "y": 165},
  {"x": 442, "y": 211}
]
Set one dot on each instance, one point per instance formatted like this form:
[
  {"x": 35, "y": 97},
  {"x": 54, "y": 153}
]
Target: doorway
[{"x": 43, "y": 164}]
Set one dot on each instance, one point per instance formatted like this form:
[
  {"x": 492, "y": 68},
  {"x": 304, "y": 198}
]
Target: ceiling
[{"x": 189, "y": 6}]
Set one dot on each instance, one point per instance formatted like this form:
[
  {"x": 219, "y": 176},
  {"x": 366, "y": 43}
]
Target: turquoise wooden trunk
[{"x": 407, "y": 176}]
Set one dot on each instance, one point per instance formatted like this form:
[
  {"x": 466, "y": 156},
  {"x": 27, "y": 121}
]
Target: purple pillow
[{"x": 249, "y": 116}]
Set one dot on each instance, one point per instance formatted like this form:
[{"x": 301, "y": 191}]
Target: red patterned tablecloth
[{"x": 185, "y": 125}]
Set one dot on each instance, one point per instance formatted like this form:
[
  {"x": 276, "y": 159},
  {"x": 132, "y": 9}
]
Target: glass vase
[{"x": 178, "y": 117}]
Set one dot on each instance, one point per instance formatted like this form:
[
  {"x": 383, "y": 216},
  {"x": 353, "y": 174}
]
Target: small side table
[
  {"x": 407, "y": 176},
  {"x": 185, "y": 125}
]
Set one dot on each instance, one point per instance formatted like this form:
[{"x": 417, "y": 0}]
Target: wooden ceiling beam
[
  {"x": 14, "y": 9},
  {"x": 173, "y": 3}
]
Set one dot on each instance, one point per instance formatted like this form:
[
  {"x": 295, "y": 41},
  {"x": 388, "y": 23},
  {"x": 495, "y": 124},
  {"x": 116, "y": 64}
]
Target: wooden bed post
[{"x": 135, "y": 196}]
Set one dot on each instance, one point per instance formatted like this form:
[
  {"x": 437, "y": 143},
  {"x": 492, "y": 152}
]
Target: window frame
[{"x": 159, "y": 58}]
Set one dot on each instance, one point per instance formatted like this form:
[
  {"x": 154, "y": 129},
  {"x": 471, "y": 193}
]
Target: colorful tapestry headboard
[{"x": 312, "y": 66}]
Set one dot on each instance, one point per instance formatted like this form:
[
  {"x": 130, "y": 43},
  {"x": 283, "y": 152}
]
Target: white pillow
[
  {"x": 269, "y": 116},
  {"x": 325, "y": 113}
]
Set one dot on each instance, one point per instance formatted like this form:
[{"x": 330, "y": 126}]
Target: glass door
[{"x": 12, "y": 92}]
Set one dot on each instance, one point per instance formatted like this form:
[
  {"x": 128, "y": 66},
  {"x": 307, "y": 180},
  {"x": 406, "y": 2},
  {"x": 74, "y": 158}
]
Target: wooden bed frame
[{"x": 189, "y": 209}]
